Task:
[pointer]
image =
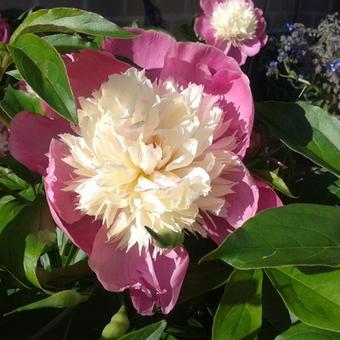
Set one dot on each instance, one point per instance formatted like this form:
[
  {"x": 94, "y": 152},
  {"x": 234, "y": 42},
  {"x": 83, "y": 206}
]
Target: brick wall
[{"x": 176, "y": 12}]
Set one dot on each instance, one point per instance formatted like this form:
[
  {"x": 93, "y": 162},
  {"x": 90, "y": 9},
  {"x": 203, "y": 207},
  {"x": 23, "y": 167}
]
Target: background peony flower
[
  {"x": 4, "y": 31},
  {"x": 234, "y": 26},
  {"x": 3, "y": 140},
  {"x": 159, "y": 144}
]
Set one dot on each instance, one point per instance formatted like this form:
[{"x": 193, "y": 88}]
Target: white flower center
[
  {"x": 142, "y": 157},
  {"x": 235, "y": 21}
]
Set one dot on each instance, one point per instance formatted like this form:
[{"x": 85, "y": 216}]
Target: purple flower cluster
[{"x": 309, "y": 59}]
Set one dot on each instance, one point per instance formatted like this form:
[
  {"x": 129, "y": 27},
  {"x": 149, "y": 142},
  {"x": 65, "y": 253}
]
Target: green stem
[
  {"x": 71, "y": 254},
  {"x": 13, "y": 193}
]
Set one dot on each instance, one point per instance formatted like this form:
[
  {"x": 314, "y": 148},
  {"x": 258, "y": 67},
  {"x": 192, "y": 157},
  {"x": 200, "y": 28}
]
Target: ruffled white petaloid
[
  {"x": 234, "y": 21},
  {"x": 143, "y": 157}
]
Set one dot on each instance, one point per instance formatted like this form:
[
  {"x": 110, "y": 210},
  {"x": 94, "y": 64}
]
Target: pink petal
[
  {"x": 88, "y": 69},
  {"x": 170, "y": 269},
  {"x": 197, "y": 57},
  {"x": 218, "y": 228},
  {"x": 59, "y": 174},
  {"x": 143, "y": 301},
  {"x": 82, "y": 233},
  {"x": 267, "y": 196},
  {"x": 148, "y": 50},
  {"x": 243, "y": 202},
  {"x": 240, "y": 205},
  {"x": 30, "y": 137},
  {"x": 237, "y": 53},
  {"x": 220, "y": 75},
  {"x": 208, "y": 5},
  {"x": 152, "y": 281},
  {"x": 239, "y": 115},
  {"x": 4, "y": 31},
  {"x": 251, "y": 47},
  {"x": 202, "y": 25},
  {"x": 81, "y": 229}
]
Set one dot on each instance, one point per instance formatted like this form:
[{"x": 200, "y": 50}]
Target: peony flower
[
  {"x": 233, "y": 26},
  {"x": 157, "y": 150},
  {"x": 4, "y": 31},
  {"x": 3, "y": 140}
]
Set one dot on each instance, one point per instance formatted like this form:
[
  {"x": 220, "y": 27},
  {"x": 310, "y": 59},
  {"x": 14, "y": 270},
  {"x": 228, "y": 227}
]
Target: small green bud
[
  {"x": 166, "y": 238},
  {"x": 118, "y": 325}
]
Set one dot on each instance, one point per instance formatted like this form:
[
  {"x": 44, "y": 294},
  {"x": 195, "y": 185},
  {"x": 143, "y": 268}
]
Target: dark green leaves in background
[
  {"x": 289, "y": 243},
  {"x": 16, "y": 101},
  {"x": 215, "y": 275},
  {"x": 306, "y": 129},
  {"x": 23, "y": 237}
]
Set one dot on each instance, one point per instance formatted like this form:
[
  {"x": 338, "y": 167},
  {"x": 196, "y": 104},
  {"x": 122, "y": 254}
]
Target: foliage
[{"x": 275, "y": 277}]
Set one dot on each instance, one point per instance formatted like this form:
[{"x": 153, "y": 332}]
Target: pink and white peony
[
  {"x": 160, "y": 145},
  {"x": 234, "y": 26}
]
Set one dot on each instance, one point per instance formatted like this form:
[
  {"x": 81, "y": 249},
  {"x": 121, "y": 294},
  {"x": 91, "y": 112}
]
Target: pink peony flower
[
  {"x": 4, "y": 31},
  {"x": 159, "y": 144},
  {"x": 233, "y": 26}
]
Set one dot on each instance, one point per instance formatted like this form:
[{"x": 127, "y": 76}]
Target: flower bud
[
  {"x": 118, "y": 326},
  {"x": 4, "y": 31},
  {"x": 166, "y": 238}
]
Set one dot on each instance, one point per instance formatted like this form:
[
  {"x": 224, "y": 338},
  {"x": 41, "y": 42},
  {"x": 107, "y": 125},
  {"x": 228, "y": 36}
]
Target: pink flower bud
[{"x": 4, "y": 31}]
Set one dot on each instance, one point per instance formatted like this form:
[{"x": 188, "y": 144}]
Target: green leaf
[
  {"x": 35, "y": 244},
  {"x": 23, "y": 239},
  {"x": 16, "y": 101},
  {"x": 63, "y": 299},
  {"x": 62, "y": 277},
  {"x": 10, "y": 180},
  {"x": 273, "y": 309},
  {"x": 20, "y": 170},
  {"x": 150, "y": 332},
  {"x": 9, "y": 209},
  {"x": 311, "y": 293},
  {"x": 69, "y": 20},
  {"x": 215, "y": 274},
  {"x": 304, "y": 332},
  {"x": 68, "y": 43},
  {"x": 274, "y": 180},
  {"x": 43, "y": 69},
  {"x": 306, "y": 129},
  {"x": 296, "y": 234},
  {"x": 239, "y": 314},
  {"x": 335, "y": 188}
]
